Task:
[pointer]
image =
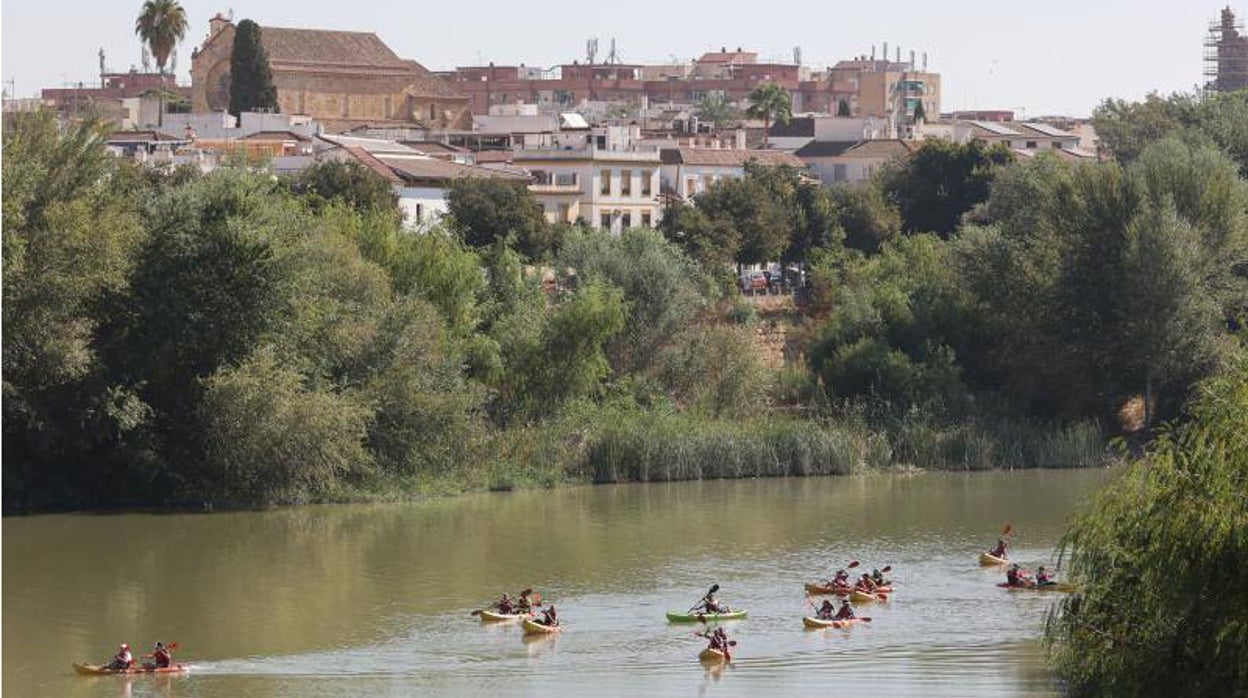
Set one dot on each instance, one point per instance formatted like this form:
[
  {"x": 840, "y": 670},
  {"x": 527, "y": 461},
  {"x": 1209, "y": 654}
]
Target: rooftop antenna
[
  {"x": 173, "y": 63},
  {"x": 925, "y": 61},
  {"x": 884, "y": 57},
  {"x": 797, "y": 55},
  {"x": 911, "y": 59},
  {"x": 873, "y": 52},
  {"x": 230, "y": 16},
  {"x": 613, "y": 57},
  {"x": 591, "y": 49}
]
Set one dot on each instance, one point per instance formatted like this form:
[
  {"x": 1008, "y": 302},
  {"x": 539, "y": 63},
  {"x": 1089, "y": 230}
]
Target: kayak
[
  {"x": 1059, "y": 586},
  {"x": 677, "y": 617},
  {"x": 496, "y": 617},
  {"x": 532, "y": 627},
  {"x": 988, "y": 560},
  {"x": 863, "y": 597},
  {"x": 820, "y": 623},
  {"x": 102, "y": 670},
  {"x": 710, "y": 655},
  {"x": 825, "y": 589}
]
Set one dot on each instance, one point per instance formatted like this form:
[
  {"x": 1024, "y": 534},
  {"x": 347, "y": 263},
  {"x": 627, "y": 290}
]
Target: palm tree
[
  {"x": 161, "y": 25},
  {"x": 770, "y": 102}
]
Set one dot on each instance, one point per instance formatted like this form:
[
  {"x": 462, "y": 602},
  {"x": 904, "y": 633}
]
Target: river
[{"x": 374, "y": 600}]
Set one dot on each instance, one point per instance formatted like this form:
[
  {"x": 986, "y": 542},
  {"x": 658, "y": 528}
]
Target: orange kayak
[
  {"x": 102, "y": 670},
  {"x": 825, "y": 589},
  {"x": 988, "y": 560}
]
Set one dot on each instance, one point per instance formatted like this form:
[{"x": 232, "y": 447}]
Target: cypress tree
[
  {"x": 842, "y": 108},
  {"x": 251, "y": 79}
]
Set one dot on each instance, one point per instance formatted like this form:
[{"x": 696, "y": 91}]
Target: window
[
  {"x": 626, "y": 220},
  {"x": 707, "y": 181},
  {"x": 626, "y": 183},
  {"x": 606, "y": 183},
  {"x": 645, "y": 219},
  {"x": 840, "y": 172},
  {"x": 346, "y": 106},
  {"x": 691, "y": 186},
  {"x": 564, "y": 209},
  {"x": 388, "y": 106},
  {"x": 433, "y": 112},
  {"x": 1031, "y": 145},
  {"x": 1008, "y": 144},
  {"x": 606, "y": 221},
  {"x": 645, "y": 183},
  {"x": 566, "y": 180},
  {"x": 541, "y": 177},
  {"x": 420, "y": 212}
]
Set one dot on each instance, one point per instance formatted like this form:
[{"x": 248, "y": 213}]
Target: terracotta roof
[
  {"x": 425, "y": 169},
  {"x": 880, "y": 149},
  {"x": 366, "y": 159},
  {"x": 728, "y": 157},
  {"x": 434, "y": 147},
  {"x": 142, "y": 137},
  {"x": 824, "y": 149},
  {"x": 484, "y": 156},
  {"x": 276, "y": 136},
  {"x": 326, "y": 51}
]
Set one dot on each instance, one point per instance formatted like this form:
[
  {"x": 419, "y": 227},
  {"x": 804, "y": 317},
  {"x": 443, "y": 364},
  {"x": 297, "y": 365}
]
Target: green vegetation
[
  {"x": 771, "y": 103},
  {"x": 251, "y": 78},
  {"x": 243, "y": 339},
  {"x": 1161, "y": 562}
]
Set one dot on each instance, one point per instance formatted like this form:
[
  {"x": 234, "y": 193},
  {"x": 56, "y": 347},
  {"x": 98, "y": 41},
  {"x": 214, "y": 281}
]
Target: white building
[
  {"x": 849, "y": 162},
  {"x": 688, "y": 171},
  {"x": 602, "y": 175}
]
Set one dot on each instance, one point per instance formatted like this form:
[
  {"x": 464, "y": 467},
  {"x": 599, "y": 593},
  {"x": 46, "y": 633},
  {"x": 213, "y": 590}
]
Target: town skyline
[{"x": 1115, "y": 49}]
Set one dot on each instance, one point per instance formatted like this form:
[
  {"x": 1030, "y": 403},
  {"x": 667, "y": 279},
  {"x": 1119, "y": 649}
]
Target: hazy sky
[{"x": 1042, "y": 56}]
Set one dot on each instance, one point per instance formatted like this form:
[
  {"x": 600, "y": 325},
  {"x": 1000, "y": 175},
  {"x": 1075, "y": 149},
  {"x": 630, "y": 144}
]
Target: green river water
[{"x": 374, "y": 600}]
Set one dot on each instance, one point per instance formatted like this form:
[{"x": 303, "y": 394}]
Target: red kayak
[{"x": 103, "y": 670}]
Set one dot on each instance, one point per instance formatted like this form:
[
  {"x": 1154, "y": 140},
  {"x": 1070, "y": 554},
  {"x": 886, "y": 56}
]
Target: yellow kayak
[
  {"x": 988, "y": 560},
  {"x": 819, "y": 623},
  {"x": 863, "y": 597},
  {"x": 532, "y": 627},
  {"x": 102, "y": 670},
  {"x": 827, "y": 589},
  {"x": 710, "y": 655},
  {"x": 496, "y": 617}
]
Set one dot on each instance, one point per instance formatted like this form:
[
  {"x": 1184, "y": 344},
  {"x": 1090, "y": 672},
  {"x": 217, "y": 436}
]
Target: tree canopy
[{"x": 251, "y": 78}]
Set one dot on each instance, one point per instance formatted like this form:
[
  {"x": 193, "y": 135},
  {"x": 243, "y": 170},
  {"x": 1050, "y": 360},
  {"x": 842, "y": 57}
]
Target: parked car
[{"x": 753, "y": 281}]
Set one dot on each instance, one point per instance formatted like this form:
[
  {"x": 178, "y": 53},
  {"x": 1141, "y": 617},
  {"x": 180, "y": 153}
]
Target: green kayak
[{"x": 677, "y": 617}]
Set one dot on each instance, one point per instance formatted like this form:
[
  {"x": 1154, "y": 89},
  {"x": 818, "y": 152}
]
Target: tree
[
  {"x": 1161, "y": 562},
  {"x": 161, "y": 25},
  {"x": 485, "y": 210},
  {"x": 715, "y": 109},
  {"x": 251, "y": 79},
  {"x": 770, "y": 102},
  {"x": 842, "y": 108},
  {"x": 347, "y": 183},
  {"x": 869, "y": 220},
  {"x": 941, "y": 181}
]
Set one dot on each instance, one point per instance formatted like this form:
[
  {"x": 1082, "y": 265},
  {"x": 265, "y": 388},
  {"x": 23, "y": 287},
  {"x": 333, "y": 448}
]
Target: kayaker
[
  {"x": 505, "y": 605},
  {"x": 710, "y": 604},
  {"x": 718, "y": 639},
  {"x": 123, "y": 660},
  {"x": 523, "y": 604},
  {"x": 1042, "y": 578},
  {"x": 826, "y": 611},
  {"x": 550, "y": 617},
  {"x": 162, "y": 658},
  {"x": 865, "y": 584},
  {"x": 1001, "y": 550},
  {"x": 878, "y": 578},
  {"x": 846, "y": 612},
  {"x": 841, "y": 579},
  {"x": 1015, "y": 578}
]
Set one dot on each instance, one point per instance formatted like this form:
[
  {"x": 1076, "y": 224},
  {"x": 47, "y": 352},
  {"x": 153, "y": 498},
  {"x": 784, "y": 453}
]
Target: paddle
[{"x": 714, "y": 588}]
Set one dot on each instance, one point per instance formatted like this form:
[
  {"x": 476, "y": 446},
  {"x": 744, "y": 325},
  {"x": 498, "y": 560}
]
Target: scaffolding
[{"x": 1226, "y": 55}]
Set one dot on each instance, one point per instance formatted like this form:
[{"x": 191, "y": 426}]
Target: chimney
[{"x": 216, "y": 24}]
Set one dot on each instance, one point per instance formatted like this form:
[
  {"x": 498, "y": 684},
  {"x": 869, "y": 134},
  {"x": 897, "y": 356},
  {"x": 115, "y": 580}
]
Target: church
[{"x": 342, "y": 79}]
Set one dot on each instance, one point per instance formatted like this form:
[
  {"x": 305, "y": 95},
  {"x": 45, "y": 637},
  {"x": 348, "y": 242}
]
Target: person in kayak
[
  {"x": 846, "y": 612},
  {"x": 718, "y": 639},
  {"x": 865, "y": 584},
  {"x": 878, "y": 578},
  {"x": 161, "y": 656},
  {"x": 710, "y": 604},
  {"x": 826, "y": 611},
  {"x": 1015, "y": 577},
  {"x": 123, "y": 660},
  {"x": 524, "y": 604},
  {"x": 841, "y": 579},
  {"x": 550, "y": 617},
  {"x": 1001, "y": 551},
  {"x": 505, "y": 605},
  {"x": 1042, "y": 578}
]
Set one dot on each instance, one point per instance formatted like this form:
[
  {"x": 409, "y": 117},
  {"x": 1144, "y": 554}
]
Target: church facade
[{"x": 342, "y": 79}]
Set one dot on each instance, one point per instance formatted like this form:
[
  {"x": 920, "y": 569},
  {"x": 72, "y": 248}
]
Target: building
[
  {"x": 1226, "y": 55},
  {"x": 802, "y": 130},
  {"x": 868, "y": 87},
  {"x": 1025, "y": 138},
  {"x": 127, "y": 100},
  {"x": 601, "y": 175},
  {"x": 419, "y": 180},
  {"x": 852, "y": 162},
  {"x": 340, "y": 78},
  {"x": 688, "y": 171}
]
